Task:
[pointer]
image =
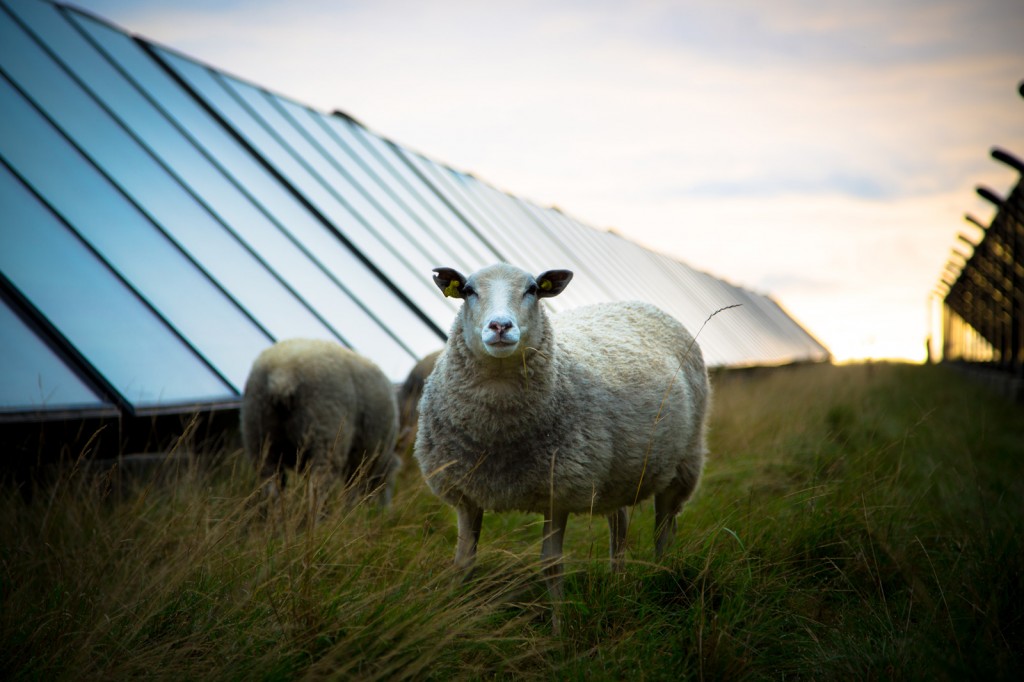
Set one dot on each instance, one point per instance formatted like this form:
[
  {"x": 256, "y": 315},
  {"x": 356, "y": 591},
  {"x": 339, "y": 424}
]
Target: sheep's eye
[{"x": 531, "y": 290}]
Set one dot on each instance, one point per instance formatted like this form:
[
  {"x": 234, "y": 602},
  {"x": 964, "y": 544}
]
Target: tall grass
[{"x": 858, "y": 522}]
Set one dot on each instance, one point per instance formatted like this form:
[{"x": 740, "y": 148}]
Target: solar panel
[{"x": 164, "y": 222}]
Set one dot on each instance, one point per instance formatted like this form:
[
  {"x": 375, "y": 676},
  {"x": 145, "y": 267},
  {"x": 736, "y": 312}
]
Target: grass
[{"x": 856, "y": 522}]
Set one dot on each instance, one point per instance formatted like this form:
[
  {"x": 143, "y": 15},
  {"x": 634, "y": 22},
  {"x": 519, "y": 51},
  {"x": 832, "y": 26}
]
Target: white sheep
[
  {"x": 314, "y": 403},
  {"x": 591, "y": 411}
]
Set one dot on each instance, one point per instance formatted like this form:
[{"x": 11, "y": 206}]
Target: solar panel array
[{"x": 163, "y": 222}]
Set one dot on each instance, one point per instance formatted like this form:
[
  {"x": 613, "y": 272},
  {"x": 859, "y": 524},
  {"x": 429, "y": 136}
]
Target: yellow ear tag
[
  {"x": 452, "y": 290},
  {"x": 546, "y": 285}
]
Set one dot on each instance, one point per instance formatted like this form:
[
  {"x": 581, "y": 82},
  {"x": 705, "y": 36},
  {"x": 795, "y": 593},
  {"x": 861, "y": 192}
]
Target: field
[{"x": 855, "y": 522}]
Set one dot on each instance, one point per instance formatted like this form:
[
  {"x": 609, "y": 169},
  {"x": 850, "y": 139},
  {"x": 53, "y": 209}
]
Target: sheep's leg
[
  {"x": 617, "y": 526},
  {"x": 271, "y": 471},
  {"x": 551, "y": 556},
  {"x": 471, "y": 518},
  {"x": 667, "y": 504},
  {"x": 321, "y": 469},
  {"x": 385, "y": 485},
  {"x": 273, "y": 478}
]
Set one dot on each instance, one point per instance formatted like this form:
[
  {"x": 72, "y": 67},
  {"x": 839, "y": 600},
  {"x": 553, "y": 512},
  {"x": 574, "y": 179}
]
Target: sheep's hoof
[{"x": 463, "y": 573}]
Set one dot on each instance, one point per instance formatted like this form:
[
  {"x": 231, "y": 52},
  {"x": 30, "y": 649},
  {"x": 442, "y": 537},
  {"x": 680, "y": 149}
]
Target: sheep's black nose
[{"x": 500, "y": 326}]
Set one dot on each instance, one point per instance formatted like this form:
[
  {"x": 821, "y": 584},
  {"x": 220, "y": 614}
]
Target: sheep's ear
[
  {"x": 552, "y": 282},
  {"x": 449, "y": 281}
]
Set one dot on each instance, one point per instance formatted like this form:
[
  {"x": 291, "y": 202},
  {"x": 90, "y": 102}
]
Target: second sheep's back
[{"x": 316, "y": 404}]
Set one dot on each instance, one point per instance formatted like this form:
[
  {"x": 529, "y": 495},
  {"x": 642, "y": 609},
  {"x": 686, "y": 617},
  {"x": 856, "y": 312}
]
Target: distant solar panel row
[{"x": 163, "y": 222}]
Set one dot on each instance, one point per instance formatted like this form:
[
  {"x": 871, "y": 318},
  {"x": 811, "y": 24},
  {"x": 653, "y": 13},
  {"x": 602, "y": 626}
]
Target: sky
[{"x": 822, "y": 152}]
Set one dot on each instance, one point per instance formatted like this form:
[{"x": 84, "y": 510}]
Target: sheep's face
[{"x": 500, "y": 312}]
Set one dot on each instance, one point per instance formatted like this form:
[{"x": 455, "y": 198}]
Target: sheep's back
[
  {"x": 317, "y": 393},
  {"x": 631, "y": 343},
  {"x": 643, "y": 374}
]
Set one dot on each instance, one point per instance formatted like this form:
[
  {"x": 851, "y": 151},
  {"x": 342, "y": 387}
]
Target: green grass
[{"x": 858, "y": 522}]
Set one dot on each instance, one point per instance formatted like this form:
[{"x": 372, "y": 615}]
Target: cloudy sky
[{"x": 820, "y": 151}]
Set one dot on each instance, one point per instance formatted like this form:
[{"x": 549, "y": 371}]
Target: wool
[{"x": 313, "y": 403}]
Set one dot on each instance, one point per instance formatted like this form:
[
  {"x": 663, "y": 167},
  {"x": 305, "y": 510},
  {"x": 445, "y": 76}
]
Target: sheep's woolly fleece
[
  {"x": 316, "y": 400},
  {"x": 599, "y": 407}
]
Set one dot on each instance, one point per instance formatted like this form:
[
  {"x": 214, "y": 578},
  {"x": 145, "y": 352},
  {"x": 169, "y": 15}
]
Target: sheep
[
  {"x": 310, "y": 402},
  {"x": 589, "y": 411},
  {"x": 408, "y": 400}
]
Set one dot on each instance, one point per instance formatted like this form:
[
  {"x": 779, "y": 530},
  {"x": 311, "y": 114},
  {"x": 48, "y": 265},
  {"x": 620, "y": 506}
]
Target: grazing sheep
[
  {"x": 408, "y": 401},
  {"x": 592, "y": 411},
  {"x": 315, "y": 403}
]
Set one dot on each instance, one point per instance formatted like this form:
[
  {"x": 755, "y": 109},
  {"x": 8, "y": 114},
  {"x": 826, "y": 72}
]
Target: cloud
[
  {"x": 788, "y": 284},
  {"x": 810, "y": 184},
  {"x": 867, "y": 33}
]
